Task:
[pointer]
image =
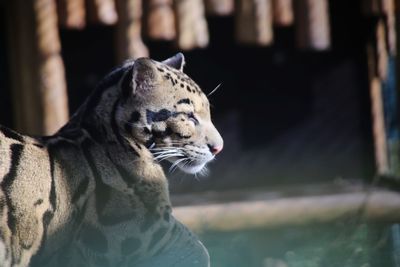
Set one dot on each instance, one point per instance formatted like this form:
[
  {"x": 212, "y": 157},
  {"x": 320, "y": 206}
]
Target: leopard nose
[{"x": 215, "y": 149}]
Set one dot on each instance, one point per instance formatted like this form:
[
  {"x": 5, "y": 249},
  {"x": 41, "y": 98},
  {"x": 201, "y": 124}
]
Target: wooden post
[
  {"x": 129, "y": 38},
  {"x": 388, "y": 9},
  {"x": 219, "y": 7},
  {"x": 254, "y": 22},
  {"x": 381, "y": 51},
  {"x": 387, "y": 74},
  {"x": 312, "y": 24},
  {"x": 283, "y": 12},
  {"x": 102, "y": 11},
  {"x": 378, "y": 118},
  {"x": 160, "y": 20},
  {"x": 191, "y": 24},
  {"x": 72, "y": 13},
  {"x": 38, "y": 82}
]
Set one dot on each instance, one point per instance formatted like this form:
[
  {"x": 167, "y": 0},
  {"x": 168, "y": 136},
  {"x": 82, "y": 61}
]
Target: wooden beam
[
  {"x": 254, "y": 22},
  {"x": 37, "y": 70},
  {"x": 160, "y": 20},
  {"x": 191, "y": 24},
  {"x": 312, "y": 24},
  {"x": 219, "y": 7},
  {"x": 72, "y": 13},
  {"x": 283, "y": 12},
  {"x": 262, "y": 211},
  {"x": 388, "y": 9},
  {"x": 129, "y": 32},
  {"x": 102, "y": 12},
  {"x": 381, "y": 50}
]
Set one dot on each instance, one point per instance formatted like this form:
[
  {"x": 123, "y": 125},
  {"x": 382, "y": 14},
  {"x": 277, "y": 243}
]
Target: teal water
[{"x": 342, "y": 244}]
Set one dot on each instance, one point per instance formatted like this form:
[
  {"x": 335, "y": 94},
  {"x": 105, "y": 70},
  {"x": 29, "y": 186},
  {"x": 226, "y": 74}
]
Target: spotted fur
[{"x": 95, "y": 194}]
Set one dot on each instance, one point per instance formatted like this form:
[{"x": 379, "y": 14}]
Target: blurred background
[{"x": 307, "y": 106}]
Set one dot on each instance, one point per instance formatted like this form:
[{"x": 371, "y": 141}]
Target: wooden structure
[{"x": 38, "y": 83}]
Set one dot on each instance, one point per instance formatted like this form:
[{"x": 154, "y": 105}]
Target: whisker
[
  {"x": 163, "y": 157},
  {"x": 215, "y": 89},
  {"x": 175, "y": 165},
  {"x": 165, "y": 151},
  {"x": 166, "y": 148},
  {"x": 168, "y": 156}
]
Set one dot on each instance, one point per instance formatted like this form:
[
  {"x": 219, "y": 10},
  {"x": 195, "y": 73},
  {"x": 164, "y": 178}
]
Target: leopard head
[{"x": 168, "y": 112}]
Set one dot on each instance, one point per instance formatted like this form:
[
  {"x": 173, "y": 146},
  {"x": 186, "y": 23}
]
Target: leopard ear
[
  {"x": 141, "y": 77},
  {"x": 177, "y": 61}
]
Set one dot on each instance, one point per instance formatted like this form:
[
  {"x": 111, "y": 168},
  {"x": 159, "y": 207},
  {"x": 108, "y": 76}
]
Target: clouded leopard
[{"x": 94, "y": 193}]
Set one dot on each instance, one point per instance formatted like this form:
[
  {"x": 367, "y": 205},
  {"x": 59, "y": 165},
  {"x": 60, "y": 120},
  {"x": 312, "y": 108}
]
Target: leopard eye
[{"x": 193, "y": 118}]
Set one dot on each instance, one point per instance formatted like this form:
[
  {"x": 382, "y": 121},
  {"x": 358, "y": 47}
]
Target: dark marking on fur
[
  {"x": 16, "y": 153},
  {"x": 80, "y": 190},
  {"x": 79, "y": 213},
  {"x": 135, "y": 117},
  {"x": 139, "y": 146},
  {"x": 149, "y": 221},
  {"x": 11, "y": 134},
  {"x": 161, "y": 115},
  {"x": 93, "y": 238},
  {"x": 102, "y": 191},
  {"x": 2, "y": 205},
  {"x": 49, "y": 213},
  {"x": 183, "y": 136},
  {"x": 167, "y": 216},
  {"x": 38, "y": 202},
  {"x": 95, "y": 131},
  {"x": 52, "y": 196},
  {"x": 146, "y": 130},
  {"x": 38, "y": 145},
  {"x": 161, "y": 134},
  {"x": 184, "y": 101},
  {"x": 130, "y": 245},
  {"x": 126, "y": 84},
  {"x": 158, "y": 235},
  {"x": 117, "y": 133}
]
